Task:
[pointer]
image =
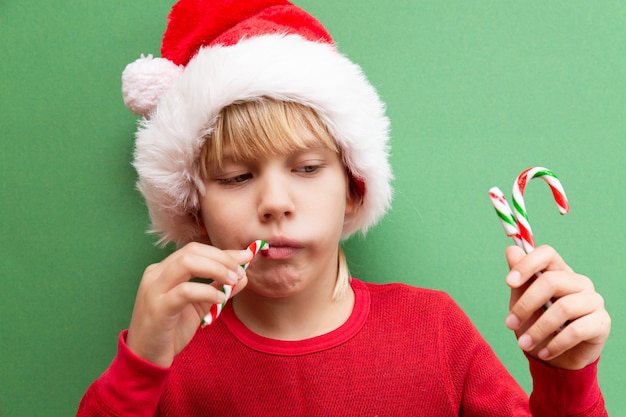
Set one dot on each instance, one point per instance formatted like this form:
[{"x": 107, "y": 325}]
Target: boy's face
[{"x": 297, "y": 202}]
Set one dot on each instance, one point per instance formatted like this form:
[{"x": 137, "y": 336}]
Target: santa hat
[{"x": 216, "y": 52}]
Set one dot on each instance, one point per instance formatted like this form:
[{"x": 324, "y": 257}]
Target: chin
[{"x": 275, "y": 287}]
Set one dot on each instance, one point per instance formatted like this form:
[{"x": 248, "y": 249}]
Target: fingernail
[
  {"x": 512, "y": 322},
  {"x": 525, "y": 342},
  {"x": 514, "y": 278},
  {"x": 543, "y": 353},
  {"x": 221, "y": 297}
]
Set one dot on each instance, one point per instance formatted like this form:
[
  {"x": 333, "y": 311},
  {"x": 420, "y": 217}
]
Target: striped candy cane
[
  {"x": 515, "y": 222},
  {"x": 254, "y": 247},
  {"x": 519, "y": 208},
  {"x": 504, "y": 212}
]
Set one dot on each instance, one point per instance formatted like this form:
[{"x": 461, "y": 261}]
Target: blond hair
[{"x": 264, "y": 127}]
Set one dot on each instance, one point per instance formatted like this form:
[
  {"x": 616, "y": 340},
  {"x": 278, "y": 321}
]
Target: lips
[{"x": 280, "y": 248}]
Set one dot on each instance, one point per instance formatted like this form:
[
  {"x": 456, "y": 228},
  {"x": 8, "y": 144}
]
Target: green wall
[{"x": 477, "y": 91}]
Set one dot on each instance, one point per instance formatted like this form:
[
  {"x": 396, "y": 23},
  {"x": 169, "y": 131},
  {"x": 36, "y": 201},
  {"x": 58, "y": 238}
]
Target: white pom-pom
[{"x": 145, "y": 80}]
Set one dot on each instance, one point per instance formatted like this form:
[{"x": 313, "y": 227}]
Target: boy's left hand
[{"x": 571, "y": 333}]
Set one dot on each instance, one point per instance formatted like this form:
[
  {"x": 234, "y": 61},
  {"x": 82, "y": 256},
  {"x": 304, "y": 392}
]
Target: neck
[{"x": 301, "y": 316}]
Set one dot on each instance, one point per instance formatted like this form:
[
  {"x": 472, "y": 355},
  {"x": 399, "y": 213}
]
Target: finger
[
  {"x": 544, "y": 258},
  {"x": 192, "y": 292},
  {"x": 155, "y": 270},
  {"x": 592, "y": 329},
  {"x": 203, "y": 261},
  {"x": 192, "y": 266},
  {"x": 203, "y": 309},
  {"x": 546, "y": 288},
  {"x": 240, "y": 286},
  {"x": 172, "y": 303},
  {"x": 528, "y": 300},
  {"x": 235, "y": 289},
  {"x": 564, "y": 310},
  {"x": 513, "y": 256},
  {"x": 200, "y": 295}
]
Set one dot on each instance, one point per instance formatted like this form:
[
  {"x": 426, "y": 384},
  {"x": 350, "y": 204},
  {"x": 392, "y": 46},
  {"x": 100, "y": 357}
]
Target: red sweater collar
[{"x": 303, "y": 347}]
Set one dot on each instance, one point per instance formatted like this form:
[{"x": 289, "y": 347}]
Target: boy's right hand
[{"x": 169, "y": 308}]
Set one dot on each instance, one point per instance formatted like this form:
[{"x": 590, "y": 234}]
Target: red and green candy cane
[
  {"x": 505, "y": 214},
  {"x": 515, "y": 221},
  {"x": 519, "y": 208},
  {"x": 254, "y": 247}
]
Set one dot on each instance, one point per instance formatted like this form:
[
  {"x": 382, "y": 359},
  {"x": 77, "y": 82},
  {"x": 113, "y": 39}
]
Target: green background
[{"x": 476, "y": 91}]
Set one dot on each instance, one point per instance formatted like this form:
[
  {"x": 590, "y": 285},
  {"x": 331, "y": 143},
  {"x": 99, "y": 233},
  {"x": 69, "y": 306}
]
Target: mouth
[{"x": 280, "y": 248}]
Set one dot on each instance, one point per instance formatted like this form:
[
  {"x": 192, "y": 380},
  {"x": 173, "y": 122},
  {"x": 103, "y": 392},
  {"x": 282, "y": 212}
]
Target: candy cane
[
  {"x": 254, "y": 247},
  {"x": 504, "y": 212},
  {"x": 519, "y": 208},
  {"x": 515, "y": 223}
]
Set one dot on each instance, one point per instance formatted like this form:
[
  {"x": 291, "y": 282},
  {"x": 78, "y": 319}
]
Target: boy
[{"x": 255, "y": 127}]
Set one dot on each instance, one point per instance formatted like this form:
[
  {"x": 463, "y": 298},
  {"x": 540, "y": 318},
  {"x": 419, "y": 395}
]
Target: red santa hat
[{"x": 216, "y": 52}]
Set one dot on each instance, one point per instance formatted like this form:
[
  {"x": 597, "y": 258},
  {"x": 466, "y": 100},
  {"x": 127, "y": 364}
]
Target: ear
[
  {"x": 354, "y": 194},
  {"x": 203, "y": 235}
]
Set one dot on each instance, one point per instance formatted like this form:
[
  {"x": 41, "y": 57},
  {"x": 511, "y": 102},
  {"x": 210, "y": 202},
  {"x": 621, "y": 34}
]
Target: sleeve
[
  {"x": 481, "y": 383},
  {"x": 487, "y": 388},
  {"x": 130, "y": 387},
  {"x": 559, "y": 392}
]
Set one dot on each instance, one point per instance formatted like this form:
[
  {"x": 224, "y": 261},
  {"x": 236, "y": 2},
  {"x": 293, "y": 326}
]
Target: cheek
[
  {"x": 222, "y": 220},
  {"x": 223, "y": 234},
  {"x": 334, "y": 205}
]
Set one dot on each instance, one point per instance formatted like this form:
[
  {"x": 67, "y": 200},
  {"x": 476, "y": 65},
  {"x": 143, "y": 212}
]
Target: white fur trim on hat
[{"x": 284, "y": 67}]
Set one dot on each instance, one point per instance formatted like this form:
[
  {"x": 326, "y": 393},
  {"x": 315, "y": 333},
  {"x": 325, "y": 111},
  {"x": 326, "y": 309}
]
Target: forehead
[{"x": 270, "y": 128}]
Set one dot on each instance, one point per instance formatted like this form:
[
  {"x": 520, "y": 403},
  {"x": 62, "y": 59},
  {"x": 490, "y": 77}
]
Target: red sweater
[{"x": 404, "y": 351}]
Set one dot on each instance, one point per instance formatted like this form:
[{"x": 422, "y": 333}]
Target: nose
[{"x": 275, "y": 196}]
